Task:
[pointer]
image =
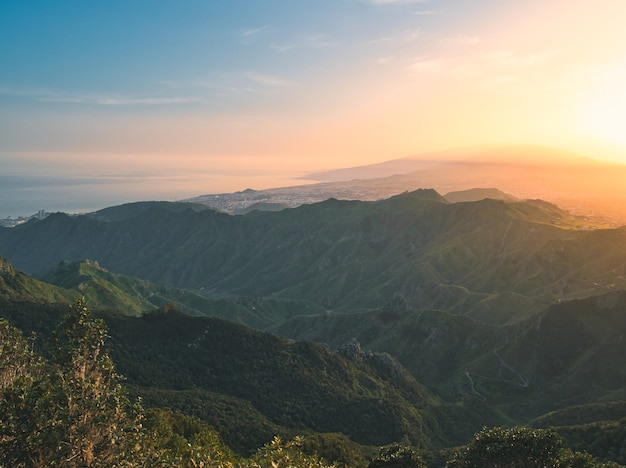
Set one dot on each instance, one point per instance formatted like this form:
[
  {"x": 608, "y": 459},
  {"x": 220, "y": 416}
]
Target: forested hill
[
  {"x": 251, "y": 385},
  {"x": 352, "y": 394},
  {"x": 490, "y": 259}
]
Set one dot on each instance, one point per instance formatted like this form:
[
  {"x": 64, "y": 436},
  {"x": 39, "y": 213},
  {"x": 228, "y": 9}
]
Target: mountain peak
[
  {"x": 477, "y": 194},
  {"x": 6, "y": 268}
]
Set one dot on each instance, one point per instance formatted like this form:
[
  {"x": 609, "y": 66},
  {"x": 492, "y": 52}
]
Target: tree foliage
[
  {"x": 17, "y": 357},
  {"x": 279, "y": 454},
  {"x": 397, "y": 456},
  {"x": 70, "y": 410},
  {"x": 520, "y": 447}
]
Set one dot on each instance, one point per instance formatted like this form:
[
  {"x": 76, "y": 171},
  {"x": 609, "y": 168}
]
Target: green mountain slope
[
  {"x": 133, "y": 296},
  {"x": 495, "y": 261},
  {"x": 435, "y": 346},
  {"x": 569, "y": 355},
  {"x": 573, "y": 353},
  {"x": 562, "y": 367},
  {"x": 250, "y": 385},
  {"x": 16, "y": 286},
  {"x": 298, "y": 385}
]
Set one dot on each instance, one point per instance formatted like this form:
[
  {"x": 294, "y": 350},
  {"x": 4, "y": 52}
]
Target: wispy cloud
[
  {"x": 254, "y": 31},
  {"x": 57, "y": 96},
  {"x": 388, "y": 2},
  {"x": 117, "y": 101},
  {"x": 267, "y": 80},
  {"x": 496, "y": 69},
  {"x": 282, "y": 47},
  {"x": 512, "y": 58},
  {"x": 318, "y": 40},
  {"x": 306, "y": 41},
  {"x": 230, "y": 84},
  {"x": 460, "y": 40},
  {"x": 425, "y": 12},
  {"x": 405, "y": 37},
  {"x": 429, "y": 65}
]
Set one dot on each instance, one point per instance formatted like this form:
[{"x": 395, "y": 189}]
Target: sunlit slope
[
  {"x": 492, "y": 260},
  {"x": 16, "y": 286},
  {"x": 133, "y": 296}
]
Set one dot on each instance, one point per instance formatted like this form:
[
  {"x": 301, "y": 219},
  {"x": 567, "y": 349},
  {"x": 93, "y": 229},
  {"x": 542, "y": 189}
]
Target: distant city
[{"x": 13, "y": 221}]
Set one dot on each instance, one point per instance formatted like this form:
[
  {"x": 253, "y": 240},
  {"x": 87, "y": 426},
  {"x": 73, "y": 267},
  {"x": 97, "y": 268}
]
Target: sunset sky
[{"x": 166, "y": 99}]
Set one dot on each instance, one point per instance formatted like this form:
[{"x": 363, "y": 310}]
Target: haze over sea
[{"x": 26, "y": 194}]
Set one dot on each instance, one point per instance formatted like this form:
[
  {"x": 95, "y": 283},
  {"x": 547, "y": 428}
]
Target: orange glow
[{"x": 606, "y": 113}]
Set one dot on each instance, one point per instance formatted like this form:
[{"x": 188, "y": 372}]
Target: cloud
[
  {"x": 513, "y": 59},
  {"x": 389, "y": 2},
  {"x": 50, "y": 95},
  {"x": 461, "y": 40},
  {"x": 307, "y": 41},
  {"x": 225, "y": 85},
  {"x": 282, "y": 47},
  {"x": 254, "y": 31},
  {"x": 267, "y": 80},
  {"x": 319, "y": 40},
  {"x": 425, "y": 12},
  {"x": 405, "y": 37},
  {"x": 250, "y": 36},
  {"x": 499, "y": 67},
  {"x": 116, "y": 101},
  {"x": 428, "y": 65}
]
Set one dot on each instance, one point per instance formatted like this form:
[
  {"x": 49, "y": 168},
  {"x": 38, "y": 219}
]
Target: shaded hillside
[
  {"x": 251, "y": 385},
  {"x": 492, "y": 260},
  {"x": 131, "y": 210},
  {"x": 435, "y": 346},
  {"x": 571, "y": 354},
  {"x": 294, "y": 384}
]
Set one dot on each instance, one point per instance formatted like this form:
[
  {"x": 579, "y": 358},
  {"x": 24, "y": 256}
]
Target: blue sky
[{"x": 187, "y": 97}]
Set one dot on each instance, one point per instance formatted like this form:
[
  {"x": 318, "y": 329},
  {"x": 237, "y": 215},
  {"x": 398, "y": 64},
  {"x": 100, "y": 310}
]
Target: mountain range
[
  {"x": 417, "y": 318},
  {"x": 580, "y": 184},
  {"x": 496, "y": 261}
]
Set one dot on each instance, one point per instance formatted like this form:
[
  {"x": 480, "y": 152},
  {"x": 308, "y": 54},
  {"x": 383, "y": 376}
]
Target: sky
[{"x": 109, "y": 102}]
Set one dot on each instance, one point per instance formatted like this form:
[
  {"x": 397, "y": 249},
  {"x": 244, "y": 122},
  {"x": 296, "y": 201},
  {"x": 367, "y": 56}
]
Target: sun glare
[{"x": 606, "y": 113}]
